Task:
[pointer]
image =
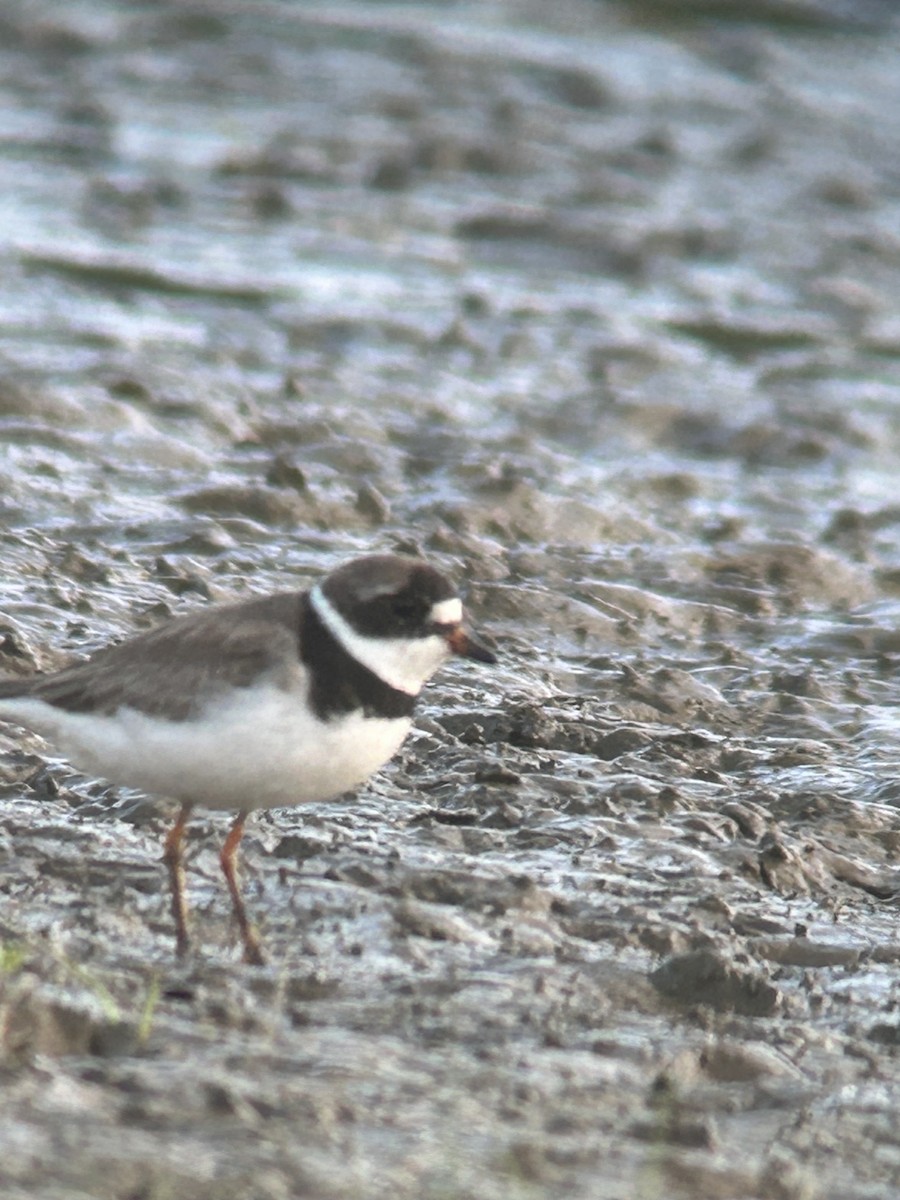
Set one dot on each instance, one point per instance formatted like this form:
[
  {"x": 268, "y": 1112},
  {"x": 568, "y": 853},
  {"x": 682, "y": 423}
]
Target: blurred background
[{"x": 596, "y": 305}]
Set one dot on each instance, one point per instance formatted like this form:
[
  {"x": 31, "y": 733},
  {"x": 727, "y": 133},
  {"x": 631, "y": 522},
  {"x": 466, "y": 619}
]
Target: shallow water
[{"x": 596, "y": 308}]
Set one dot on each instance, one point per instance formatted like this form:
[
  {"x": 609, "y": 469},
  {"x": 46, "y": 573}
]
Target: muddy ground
[{"x": 595, "y": 304}]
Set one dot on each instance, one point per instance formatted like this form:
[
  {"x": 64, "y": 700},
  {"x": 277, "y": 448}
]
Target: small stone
[{"x": 706, "y": 977}]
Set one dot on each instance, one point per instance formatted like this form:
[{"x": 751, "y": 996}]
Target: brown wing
[{"x": 171, "y": 670}]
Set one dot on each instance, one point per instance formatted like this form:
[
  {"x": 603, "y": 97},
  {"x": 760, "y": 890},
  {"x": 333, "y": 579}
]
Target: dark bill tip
[{"x": 467, "y": 645}]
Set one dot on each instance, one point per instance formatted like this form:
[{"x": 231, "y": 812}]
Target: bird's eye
[{"x": 407, "y": 611}]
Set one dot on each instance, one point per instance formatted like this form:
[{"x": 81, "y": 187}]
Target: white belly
[{"x": 259, "y": 749}]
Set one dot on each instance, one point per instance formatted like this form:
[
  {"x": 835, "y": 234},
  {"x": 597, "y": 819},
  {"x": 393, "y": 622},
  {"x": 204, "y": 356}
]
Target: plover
[{"x": 279, "y": 700}]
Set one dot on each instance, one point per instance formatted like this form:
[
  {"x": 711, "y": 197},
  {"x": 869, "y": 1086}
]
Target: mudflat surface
[{"x": 595, "y": 304}]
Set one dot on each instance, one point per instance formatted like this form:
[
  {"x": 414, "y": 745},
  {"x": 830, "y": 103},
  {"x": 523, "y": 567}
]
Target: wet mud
[{"x": 595, "y": 305}]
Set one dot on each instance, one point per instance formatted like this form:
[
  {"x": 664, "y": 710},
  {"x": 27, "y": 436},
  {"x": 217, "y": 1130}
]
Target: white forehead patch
[{"x": 447, "y": 612}]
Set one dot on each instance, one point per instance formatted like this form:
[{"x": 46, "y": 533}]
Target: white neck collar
[{"x": 402, "y": 663}]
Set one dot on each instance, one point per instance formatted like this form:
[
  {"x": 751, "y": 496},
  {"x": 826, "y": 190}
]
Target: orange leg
[
  {"x": 173, "y": 857},
  {"x": 253, "y": 952}
]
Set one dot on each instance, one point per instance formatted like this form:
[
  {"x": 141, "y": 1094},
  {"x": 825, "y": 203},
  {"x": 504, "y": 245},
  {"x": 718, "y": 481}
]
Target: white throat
[{"x": 402, "y": 663}]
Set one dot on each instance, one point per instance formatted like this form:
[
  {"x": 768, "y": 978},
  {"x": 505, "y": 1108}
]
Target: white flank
[
  {"x": 260, "y": 747},
  {"x": 447, "y": 612},
  {"x": 403, "y": 663}
]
